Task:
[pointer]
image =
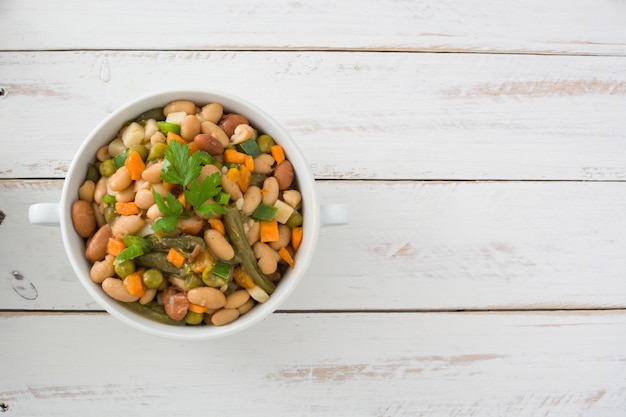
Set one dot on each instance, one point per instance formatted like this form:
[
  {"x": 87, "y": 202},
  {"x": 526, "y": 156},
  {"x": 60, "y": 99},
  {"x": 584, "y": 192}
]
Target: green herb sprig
[{"x": 181, "y": 169}]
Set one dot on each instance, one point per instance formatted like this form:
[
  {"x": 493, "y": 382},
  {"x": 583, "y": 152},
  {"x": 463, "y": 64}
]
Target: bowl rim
[{"x": 104, "y": 132}]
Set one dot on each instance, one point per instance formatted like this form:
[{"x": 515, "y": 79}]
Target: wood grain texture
[
  {"x": 395, "y": 364},
  {"x": 365, "y": 115},
  {"x": 410, "y": 246},
  {"x": 555, "y": 27}
]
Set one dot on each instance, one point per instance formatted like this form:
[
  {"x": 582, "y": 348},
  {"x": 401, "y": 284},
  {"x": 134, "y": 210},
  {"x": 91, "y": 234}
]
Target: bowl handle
[
  {"x": 47, "y": 214},
  {"x": 335, "y": 214}
]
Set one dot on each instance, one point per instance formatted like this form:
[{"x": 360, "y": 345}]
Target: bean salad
[{"x": 190, "y": 215}]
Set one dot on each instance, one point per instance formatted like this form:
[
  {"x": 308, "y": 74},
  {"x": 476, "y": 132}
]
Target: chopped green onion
[
  {"x": 109, "y": 199},
  {"x": 264, "y": 212},
  {"x": 131, "y": 252},
  {"x": 119, "y": 160},
  {"x": 169, "y": 127},
  {"x": 250, "y": 147},
  {"x": 222, "y": 198},
  {"x": 222, "y": 269}
]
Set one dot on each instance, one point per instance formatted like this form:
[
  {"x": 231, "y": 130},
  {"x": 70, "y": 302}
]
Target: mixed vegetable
[{"x": 190, "y": 215}]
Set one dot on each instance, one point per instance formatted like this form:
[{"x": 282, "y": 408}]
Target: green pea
[
  {"x": 194, "y": 318},
  {"x": 107, "y": 168},
  {"x": 153, "y": 278},
  {"x": 125, "y": 268},
  {"x": 294, "y": 220},
  {"x": 265, "y": 142},
  {"x": 157, "y": 151},
  {"x": 92, "y": 174},
  {"x": 143, "y": 151}
]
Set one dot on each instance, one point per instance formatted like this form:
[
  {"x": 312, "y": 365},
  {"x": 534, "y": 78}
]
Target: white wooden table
[{"x": 482, "y": 146}]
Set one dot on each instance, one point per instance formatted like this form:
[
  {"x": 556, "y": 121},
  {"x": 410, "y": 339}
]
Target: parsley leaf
[
  {"x": 171, "y": 209},
  {"x": 182, "y": 169}
]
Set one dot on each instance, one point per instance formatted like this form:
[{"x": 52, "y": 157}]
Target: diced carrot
[
  {"x": 176, "y": 258},
  {"x": 126, "y": 209},
  {"x": 135, "y": 165},
  {"x": 233, "y": 174},
  {"x": 218, "y": 225},
  {"x": 232, "y": 156},
  {"x": 296, "y": 237},
  {"x": 249, "y": 162},
  {"x": 173, "y": 136},
  {"x": 286, "y": 256},
  {"x": 196, "y": 308},
  {"x": 115, "y": 246},
  {"x": 269, "y": 231},
  {"x": 245, "y": 177},
  {"x": 278, "y": 153},
  {"x": 134, "y": 284},
  {"x": 183, "y": 200},
  {"x": 193, "y": 147}
]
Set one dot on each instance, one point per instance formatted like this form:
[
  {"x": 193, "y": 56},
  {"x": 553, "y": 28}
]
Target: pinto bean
[
  {"x": 215, "y": 131},
  {"x": 97, "y": 246},
  {"x": 209, "y": 143},
  {"x": 284, "y": 175},
  {"x": 83, "y": 218},
  {"x": 176, "y": 303},
  {"x": 230, "y": 122}
]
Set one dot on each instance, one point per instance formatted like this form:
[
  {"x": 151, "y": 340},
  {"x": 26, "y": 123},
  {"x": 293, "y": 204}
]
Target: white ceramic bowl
[{"x": 104, "y": 132}]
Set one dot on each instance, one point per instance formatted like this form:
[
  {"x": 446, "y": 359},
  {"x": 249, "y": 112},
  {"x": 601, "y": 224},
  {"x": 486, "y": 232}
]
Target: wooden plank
[
  {"x": 535, "y": 26},
  {"x": 428, "y": 116},
  {"x": 430, "y": 364},
  {"x": 420, "y": 245}
]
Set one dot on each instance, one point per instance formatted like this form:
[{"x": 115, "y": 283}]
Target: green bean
[
  {"x": 156, "y": 114},
  {"x": 184, "y": 242},
  {"x": 234, "y": 229},
  {"x": 157, "y": 260},
  {"x": 153, "y": 311}
]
